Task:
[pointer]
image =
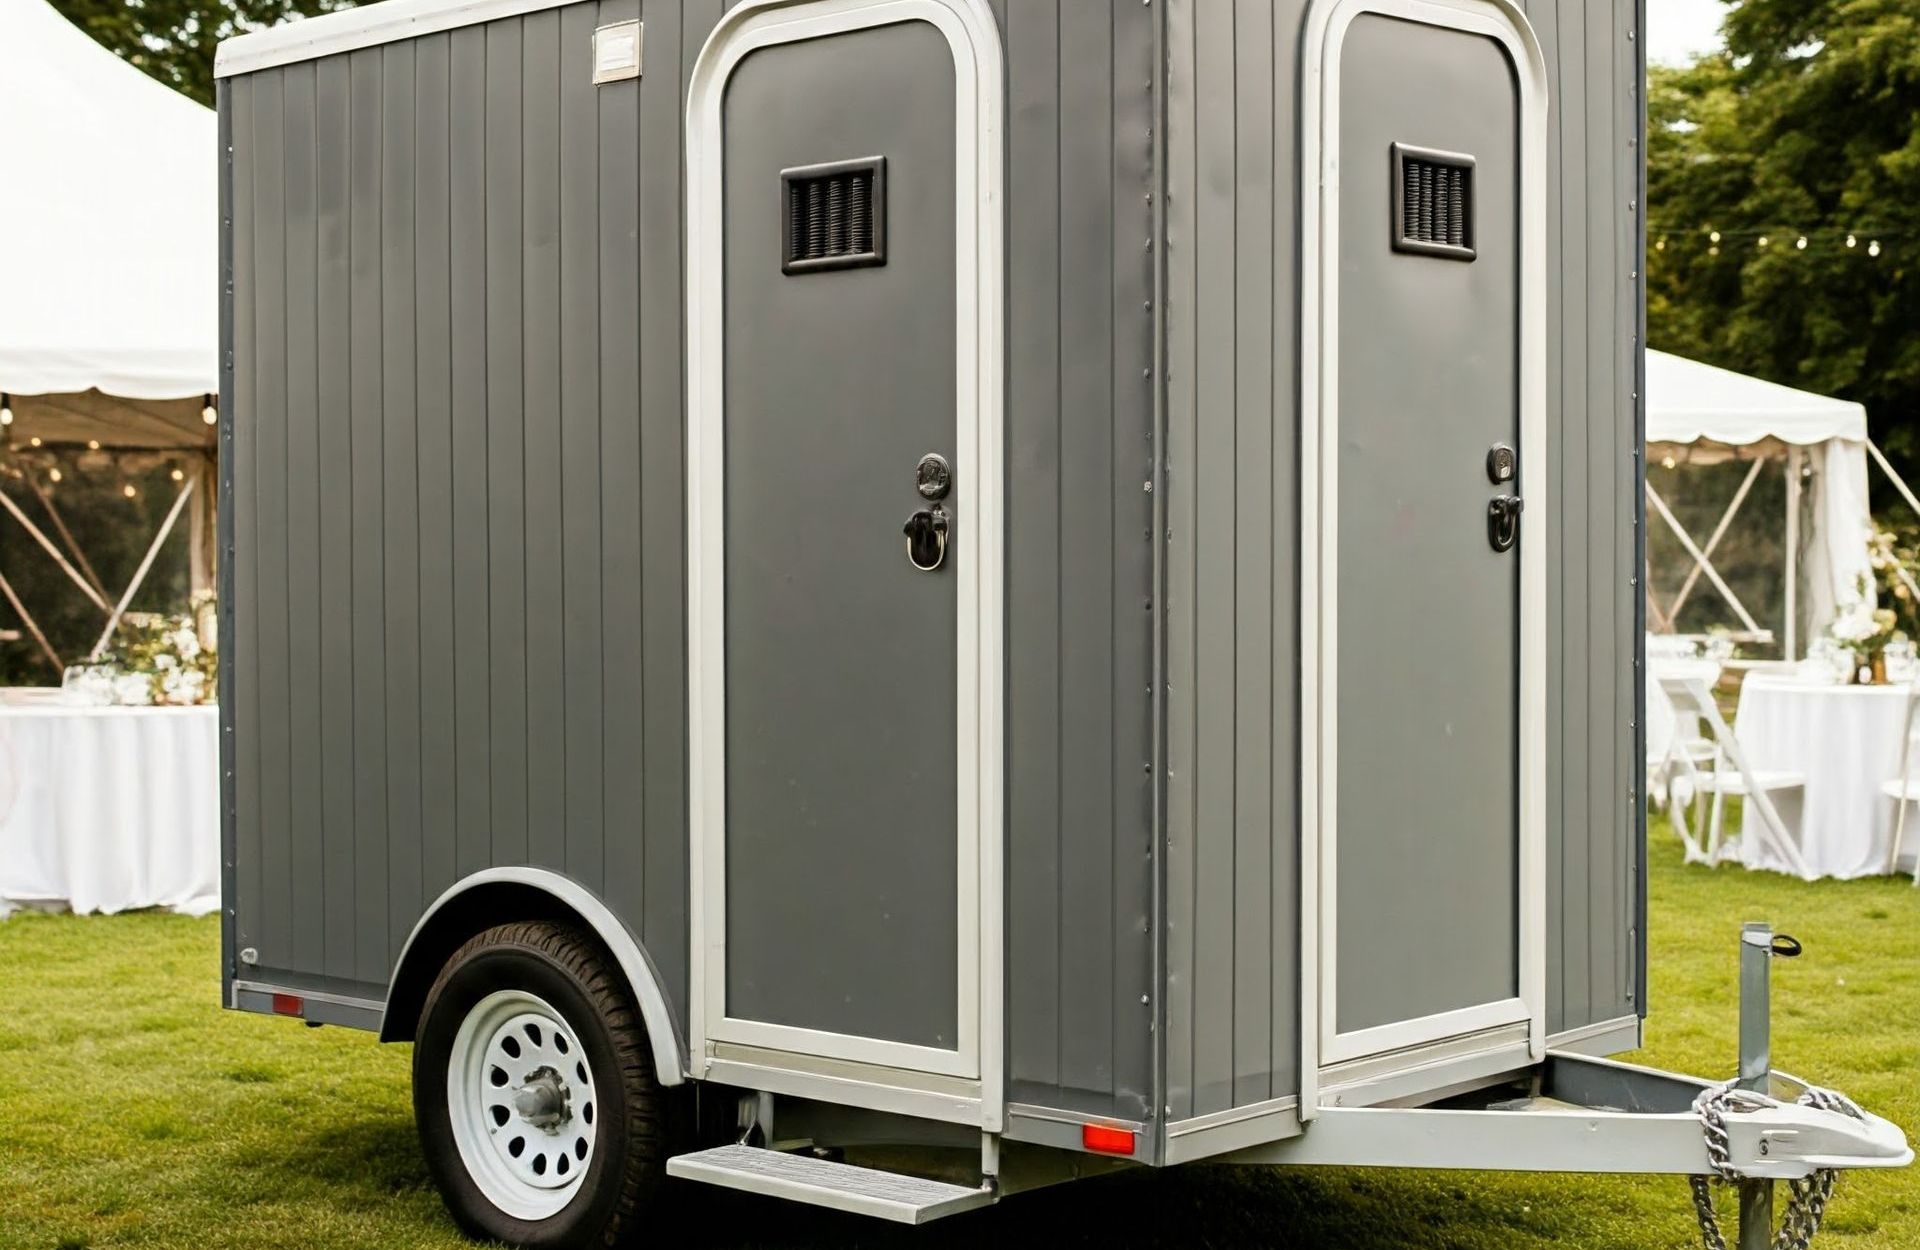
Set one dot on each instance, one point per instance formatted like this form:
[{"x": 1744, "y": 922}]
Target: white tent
[
  {"x": 108, "y": 229},
  {"x": 109, "y": 302},
  {"x": 1699, "y": 414}
]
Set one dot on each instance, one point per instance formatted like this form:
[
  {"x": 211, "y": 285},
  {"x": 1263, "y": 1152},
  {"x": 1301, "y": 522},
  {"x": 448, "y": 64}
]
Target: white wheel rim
[{"x": 521, "y": 1101}]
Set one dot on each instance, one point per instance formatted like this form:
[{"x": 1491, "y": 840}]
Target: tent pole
[
  {"x": 1899, "y": 483},
  {"x": 1693, "y": 549},
  {"x": 1794, "y": 456},
  {"x": 99, "y": 600},
  {"x": 33, "y": 627},
  {"x": 66, "y": 535},
  {"x": 1719, "y": 532},
  {"x": 140, "y": 574}
]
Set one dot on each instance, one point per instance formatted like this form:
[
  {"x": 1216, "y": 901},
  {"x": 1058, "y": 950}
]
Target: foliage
[
  {"x": 173, "y": 40},
  {"x": 176, "y": 653},
  {"x": 1807, "y": 125},
  {"x": 139, "y": 1114}
]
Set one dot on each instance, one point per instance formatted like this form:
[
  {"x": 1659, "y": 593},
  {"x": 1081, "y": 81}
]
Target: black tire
[{"x": 573, "y": 973}]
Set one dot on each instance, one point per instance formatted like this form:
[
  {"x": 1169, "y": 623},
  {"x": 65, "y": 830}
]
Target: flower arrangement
[{"x": 174, "y": 653}]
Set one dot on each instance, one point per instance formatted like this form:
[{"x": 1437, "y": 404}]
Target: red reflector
[
  {"x": 1106, "y": 1140},
  {"x": 289, "y": 1005}
]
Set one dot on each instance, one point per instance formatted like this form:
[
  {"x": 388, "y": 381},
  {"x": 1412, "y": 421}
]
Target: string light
[
  {"x": 1801, "y": 242},
  {"x": 129, "y": 491},
  {"x": 1668, "y": 463},
  {"x": 53, "y": 475},
  {"x": 1764, "y": 240},
  {"x": 178, "y": 476},
  {"x": 93, "y": 444},
  {"x": 6, "y": 409},
  {"x": 210, "y": 412},
  {"x": 1873, "y": 248},
  {"x": 1713, "y": 236},
  {"x": 1661, "y": 246},
  {"x": 35, "y": 440}
]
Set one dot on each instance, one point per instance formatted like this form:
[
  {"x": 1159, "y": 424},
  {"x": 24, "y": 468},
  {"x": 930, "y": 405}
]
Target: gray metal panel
[
  {"x": 841, "y": 797},
  {"x": 1595, "y": 948},
  {"x": 1080, "y": 556},
  {"x": 1232, "y": 791},
  {"x": 446, "y": 597}
]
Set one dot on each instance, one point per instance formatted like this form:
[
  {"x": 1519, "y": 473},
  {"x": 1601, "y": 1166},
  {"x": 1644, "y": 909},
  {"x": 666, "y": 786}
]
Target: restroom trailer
[{"x": 817, "y": 588}]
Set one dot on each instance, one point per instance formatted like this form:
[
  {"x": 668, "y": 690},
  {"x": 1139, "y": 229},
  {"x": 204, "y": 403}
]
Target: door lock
[
  {"x": 1503, "y": 521},
  {"x": 933, "y": 477},
  {"x": 926, "y": 532},
  {"x": 1501, "y": 464}
]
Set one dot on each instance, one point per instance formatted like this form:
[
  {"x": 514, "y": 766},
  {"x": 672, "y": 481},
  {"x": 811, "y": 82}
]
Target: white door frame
[
  {"x": 973, "y": 35},
  {"x": 1321, "y": 1042}
]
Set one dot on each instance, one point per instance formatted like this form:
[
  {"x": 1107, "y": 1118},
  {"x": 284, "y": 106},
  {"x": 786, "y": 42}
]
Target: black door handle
[
  {"x": 926, "y": 532},
  {"x": 1503, "y": 521}
]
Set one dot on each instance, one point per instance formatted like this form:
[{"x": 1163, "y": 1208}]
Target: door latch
[
  {"x": 926, "y": 532},
  {"x": 1503, "y": 521}
]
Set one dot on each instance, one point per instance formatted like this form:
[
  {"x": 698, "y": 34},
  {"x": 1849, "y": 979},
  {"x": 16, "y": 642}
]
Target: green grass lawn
[{"x": 133, "y": 1112}]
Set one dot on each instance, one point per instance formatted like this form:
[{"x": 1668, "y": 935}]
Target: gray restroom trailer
[{"x": 949, "y": 575}]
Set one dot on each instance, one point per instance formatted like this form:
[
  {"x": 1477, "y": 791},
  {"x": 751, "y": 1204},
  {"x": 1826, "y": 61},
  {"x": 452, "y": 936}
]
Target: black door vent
[
  {"x": 1432, "y": 202},
  {"x": 835, "y": 215}
]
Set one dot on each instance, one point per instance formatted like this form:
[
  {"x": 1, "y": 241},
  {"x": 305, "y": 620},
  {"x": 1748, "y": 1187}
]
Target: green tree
[
  {"x": 173, "y": 40},
  {"x": 1806, "y": 127}
]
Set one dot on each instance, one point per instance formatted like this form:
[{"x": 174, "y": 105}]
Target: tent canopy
[
  {"x": 1688, "y": 402},
  {"x": 1702, "y": 415},
  {"x": 109, "y": 277}
]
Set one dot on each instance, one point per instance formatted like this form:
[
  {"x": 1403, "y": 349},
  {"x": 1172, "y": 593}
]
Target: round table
[
  {"x": 1846, "y": 741},
  {"x": 103, "y": 809}
]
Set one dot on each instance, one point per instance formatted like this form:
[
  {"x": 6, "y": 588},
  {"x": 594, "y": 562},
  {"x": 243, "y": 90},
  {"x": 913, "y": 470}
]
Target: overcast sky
[{"x": 1677, "y": 30}]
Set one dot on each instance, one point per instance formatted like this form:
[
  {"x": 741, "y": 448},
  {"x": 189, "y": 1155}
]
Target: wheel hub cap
[{"x": 521, "y": 1101}]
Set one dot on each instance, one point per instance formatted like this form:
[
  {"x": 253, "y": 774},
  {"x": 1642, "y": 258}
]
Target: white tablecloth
[
  {"x": 103, "y": 809},
  {"x": 1846, "y": 740}
]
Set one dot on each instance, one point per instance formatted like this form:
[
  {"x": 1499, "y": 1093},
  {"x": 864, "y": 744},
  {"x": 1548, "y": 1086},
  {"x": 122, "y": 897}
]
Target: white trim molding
[
  {"x": 1328, "y": 22},
  {"x": 973, "y": 35},
  {"x": 669, "y": 1062},
  {"x": 365, "y": 27}
]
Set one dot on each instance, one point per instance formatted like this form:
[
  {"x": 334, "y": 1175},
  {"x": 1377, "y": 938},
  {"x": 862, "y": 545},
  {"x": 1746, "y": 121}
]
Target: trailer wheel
[{"x": 534, "y": 1090}]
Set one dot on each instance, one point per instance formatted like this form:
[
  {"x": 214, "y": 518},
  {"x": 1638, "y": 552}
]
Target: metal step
[{"x": 824, "y": 1183}]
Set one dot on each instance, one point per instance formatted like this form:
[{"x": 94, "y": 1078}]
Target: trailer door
[
  {"x": 1425, "y": 679},
  {"x": 843, "y": 544}
]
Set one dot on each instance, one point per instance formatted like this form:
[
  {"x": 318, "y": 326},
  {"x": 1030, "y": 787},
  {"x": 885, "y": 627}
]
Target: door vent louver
[
  {"x": 1432, "y": 202},
  {"x": 835, "y": 215}
]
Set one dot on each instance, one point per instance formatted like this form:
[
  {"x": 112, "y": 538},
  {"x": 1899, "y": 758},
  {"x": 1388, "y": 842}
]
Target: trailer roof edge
[{"x": 351, "y": 29}]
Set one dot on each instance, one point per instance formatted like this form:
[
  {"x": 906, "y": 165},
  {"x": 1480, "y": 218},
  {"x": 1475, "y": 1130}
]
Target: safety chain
[{"x": 1807, "y": 1196}]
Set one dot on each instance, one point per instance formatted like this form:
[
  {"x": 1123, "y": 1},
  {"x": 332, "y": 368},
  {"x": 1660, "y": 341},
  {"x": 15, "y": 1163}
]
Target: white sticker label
[{"x": 617, "y": 51}]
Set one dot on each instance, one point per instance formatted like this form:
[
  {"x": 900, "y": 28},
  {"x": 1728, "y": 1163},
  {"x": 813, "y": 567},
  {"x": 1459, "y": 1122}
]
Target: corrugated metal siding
[
  {"x": 1080, "y": 553},
  {"x": 1232, "y": 789},
  {"x": 457, "y": 501},
  {"x": 459, "y": 512}
]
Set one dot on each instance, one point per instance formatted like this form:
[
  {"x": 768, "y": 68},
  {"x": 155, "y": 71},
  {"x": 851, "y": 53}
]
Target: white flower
[
  {"x": 186, "y": 641},
  {"x": 163, "y": 662},
  {"x": 1856, "y": 624}
]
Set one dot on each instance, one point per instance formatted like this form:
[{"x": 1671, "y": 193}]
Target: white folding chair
[
  {"x": 1904, "y": 789},
  {"x": 1725, "y": 774}
]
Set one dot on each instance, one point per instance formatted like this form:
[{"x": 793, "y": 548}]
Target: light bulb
[
  {"x": 6, "y": 411},
  {"x": 1714, "y": 250},
  {"x": 1713, "y": 236},
  {"x": 1873, "y": 248},
  {"x": 35, "y": 440},
  {"x": 1801, "y": 242},
  {"x": 1764, "y": 240},
  {"x": 128, "y": 490},
  {"x": 53, "y": 475},
  {"x": 93, "y": 444},
  {"x": 1668, "y": 463},
  {"x": 1661, "y": 246},
  {"x": 1851, "y": 241},
  {"x": 178, "y": 476},
  {"x": 210, "y": 414}
]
